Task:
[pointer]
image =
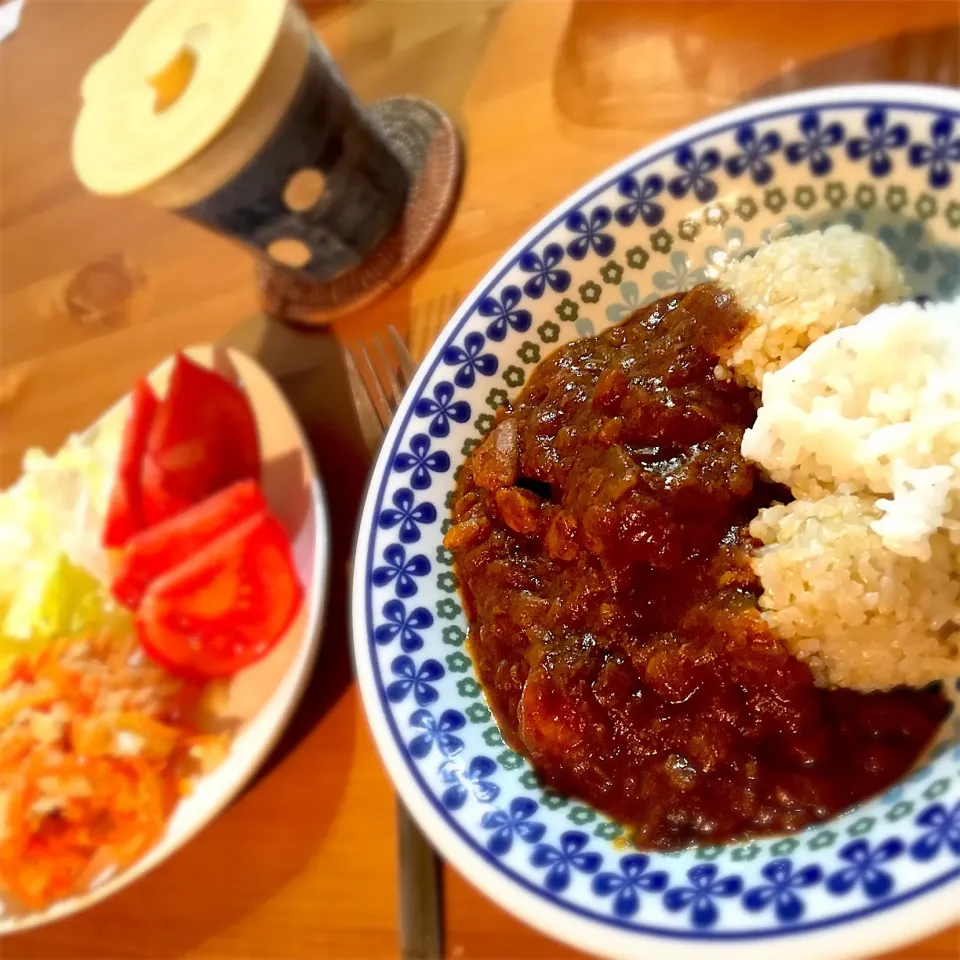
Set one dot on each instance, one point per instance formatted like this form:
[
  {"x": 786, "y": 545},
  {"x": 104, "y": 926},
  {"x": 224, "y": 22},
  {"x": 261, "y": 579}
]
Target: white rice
[
  {"x": 858, "y": 614},
  {"x": 801, "y": 287},
  {"x": 873, "y": 408}
]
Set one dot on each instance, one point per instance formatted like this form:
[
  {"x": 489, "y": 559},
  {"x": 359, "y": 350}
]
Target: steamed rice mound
[
  {"x": 860, "y": 417},
  {"x": 873, "y": 408},
  {"x": 858, "y": 614},
  {"x": 801, "y": 287}
]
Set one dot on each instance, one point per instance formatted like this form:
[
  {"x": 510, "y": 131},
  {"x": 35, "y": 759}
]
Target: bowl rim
[
  {"x": 269, "y": 723},
  {"x": 850, "y": 935}
]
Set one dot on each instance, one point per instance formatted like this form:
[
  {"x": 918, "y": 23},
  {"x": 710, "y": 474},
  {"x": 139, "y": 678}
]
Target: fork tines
[{"x": 380, "y": 370}]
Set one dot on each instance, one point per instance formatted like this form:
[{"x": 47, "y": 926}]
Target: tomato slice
[
  {"x": 161, "y": 499},
  {"x": 203, "y": 438},
  {"x": 161, "y": 547},
  {"x": 225, "y": 607},
  {"x": 125, "y": 509}
]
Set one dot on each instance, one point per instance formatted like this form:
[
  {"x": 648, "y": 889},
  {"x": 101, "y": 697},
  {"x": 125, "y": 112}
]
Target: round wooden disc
[
  {"x": 428, "y": 144},
  {"x": 173, "y": 82}
]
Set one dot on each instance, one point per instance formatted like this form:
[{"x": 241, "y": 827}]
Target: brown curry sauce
[{"x": 601, "y": 546}]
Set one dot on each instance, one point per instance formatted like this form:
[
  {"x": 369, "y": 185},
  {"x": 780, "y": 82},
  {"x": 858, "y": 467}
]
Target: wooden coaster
[{"x": 428, "y": 145}]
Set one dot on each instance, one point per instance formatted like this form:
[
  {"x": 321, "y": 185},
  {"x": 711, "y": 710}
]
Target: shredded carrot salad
[{"x": 97, "y": 743}]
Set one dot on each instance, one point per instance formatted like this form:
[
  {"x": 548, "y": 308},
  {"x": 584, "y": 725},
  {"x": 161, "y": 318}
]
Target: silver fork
[
  {"x": 377, "y": 392},
  {"x": 375, "y": 382}
]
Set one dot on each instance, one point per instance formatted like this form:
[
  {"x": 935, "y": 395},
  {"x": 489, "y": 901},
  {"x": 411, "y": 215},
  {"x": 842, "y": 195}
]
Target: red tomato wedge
[
  {"x": 161, "y": 547},
  {"x": 125, "y": 509},
  {"x": 203, "y": 438},
  {"x": 227, "y": 606},
  {"x": 160, "y": 500}
]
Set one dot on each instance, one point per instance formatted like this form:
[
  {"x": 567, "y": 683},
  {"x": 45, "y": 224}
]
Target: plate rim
[
  {"x": 285, "y": 698},
  {"x": 847, "y": 936}
]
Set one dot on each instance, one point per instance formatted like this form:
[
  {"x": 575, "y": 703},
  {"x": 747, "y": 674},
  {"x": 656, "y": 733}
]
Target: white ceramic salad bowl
[{"x": 262, "y": 698}]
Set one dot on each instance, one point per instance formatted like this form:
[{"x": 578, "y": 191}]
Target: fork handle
[{"x": 421, "y": 928}]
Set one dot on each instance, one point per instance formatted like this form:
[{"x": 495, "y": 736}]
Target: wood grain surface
[{"x": 94, "y": 292}]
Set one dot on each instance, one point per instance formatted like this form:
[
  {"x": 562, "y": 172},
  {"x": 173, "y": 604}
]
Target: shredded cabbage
[{"x": 53, "y": 567}]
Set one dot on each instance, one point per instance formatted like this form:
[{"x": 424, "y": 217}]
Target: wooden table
[{"x": 95, "y": 292}]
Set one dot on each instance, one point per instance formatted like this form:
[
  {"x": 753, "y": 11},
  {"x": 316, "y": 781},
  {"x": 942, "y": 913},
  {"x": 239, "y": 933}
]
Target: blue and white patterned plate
[{"x": 883, "y": 158}]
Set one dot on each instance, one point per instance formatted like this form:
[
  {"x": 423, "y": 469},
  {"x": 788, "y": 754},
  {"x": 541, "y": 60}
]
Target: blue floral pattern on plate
[
  {"x": 943, "y": 832},
  {"x": 641, "y": 200},
  {"x": 413, "y": 679},
  {"x": 403, "y": 624},
  {"x": 421, "y": 461},
  {"x": 753, "y": 156},
  {"x": 442, "y": 409},
  {"x": 815, "y": 143},
  {"x": 629, "y": 885},
  {"x": 399, "y": 571},
  {"x": 505, "y": 314},
  {"x": 589, "y": 233},
  {"x": 887, "y": 162},
  {"x": 464, "y": 781},
  {"x": 515, "y": 821},
  {"x": 569, "y": 855},
  {"x": 470, "y": 360},
  {"x": 700, "y": 895},
  {"x": 941, "y": 154},
  {"x": 545, "y": 271},
  {"x": 694, "y": 176},
  {"x": 782, "y": 889},
  {"x": 880, "y": 139},
  {"x": 439, "y": 732},
  {"x": 407, "y": 515}
]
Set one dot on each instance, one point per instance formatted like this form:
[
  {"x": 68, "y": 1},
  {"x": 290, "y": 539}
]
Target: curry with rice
[{"x": 602, "y": 548}]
